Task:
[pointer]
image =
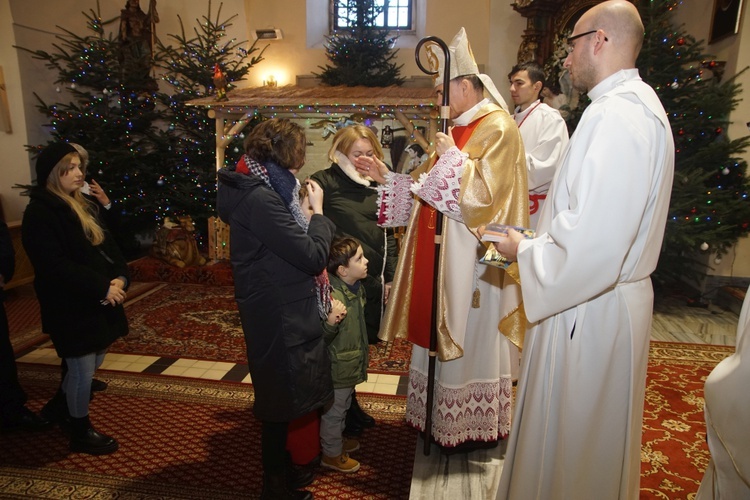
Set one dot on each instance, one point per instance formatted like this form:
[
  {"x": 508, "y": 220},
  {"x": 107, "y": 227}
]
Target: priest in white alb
[
  {"x": 585, "y": 278},
  {"x": 543, "y": 130}
]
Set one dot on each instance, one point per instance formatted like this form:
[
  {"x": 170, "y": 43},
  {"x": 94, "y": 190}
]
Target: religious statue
[{"x": 137, "y": 36}]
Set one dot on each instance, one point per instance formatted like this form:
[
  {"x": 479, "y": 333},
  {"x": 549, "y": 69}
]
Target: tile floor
[
  {"x": 377, "y": 383},
  {"x": 436, "y": 476}
]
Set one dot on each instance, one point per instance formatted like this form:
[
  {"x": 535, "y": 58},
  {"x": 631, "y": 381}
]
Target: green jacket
[
  {"x": 352, "y": 204},
  {"x": 347, "y": 341}
]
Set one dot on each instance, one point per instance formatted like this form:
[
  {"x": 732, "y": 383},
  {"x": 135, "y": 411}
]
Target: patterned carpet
[
  {"x": 202, "y": 322},
  {"x": 674, "y": 453},
  {"x": 185, "y": 438},
  {"x": 24, "y": 320}
]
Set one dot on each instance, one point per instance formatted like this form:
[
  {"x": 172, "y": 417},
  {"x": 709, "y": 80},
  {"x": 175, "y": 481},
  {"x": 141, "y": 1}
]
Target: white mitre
[{"x": 462, "y": 64}]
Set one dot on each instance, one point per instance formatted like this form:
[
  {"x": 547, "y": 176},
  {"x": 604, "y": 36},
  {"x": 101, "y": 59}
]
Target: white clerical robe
[
  {"x": 585, "y": 281},
  {"x": 728, "y": 420},
  {"x": 545, "y": 137},
  {"x": 473, "y": 388}
]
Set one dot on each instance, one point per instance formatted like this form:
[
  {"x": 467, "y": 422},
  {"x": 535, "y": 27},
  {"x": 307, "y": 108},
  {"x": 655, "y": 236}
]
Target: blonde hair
[
  {"x": 83, "y": 155},
  {"x": 82, "y": 208},
  {"x": 347, "y": 136}
]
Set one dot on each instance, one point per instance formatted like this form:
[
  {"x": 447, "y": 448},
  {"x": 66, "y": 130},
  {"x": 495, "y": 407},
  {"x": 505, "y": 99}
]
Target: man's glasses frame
[{"x": 570, "y": 46}]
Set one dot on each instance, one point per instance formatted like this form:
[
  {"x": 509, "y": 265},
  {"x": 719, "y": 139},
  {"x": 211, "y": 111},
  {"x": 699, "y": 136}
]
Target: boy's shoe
[
  {"x": 350, "y": 445},
  {"x": 341, "y": 463}
]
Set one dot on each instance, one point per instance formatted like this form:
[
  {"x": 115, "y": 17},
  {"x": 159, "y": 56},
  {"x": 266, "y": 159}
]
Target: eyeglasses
[{"x": 570, "y": 46}]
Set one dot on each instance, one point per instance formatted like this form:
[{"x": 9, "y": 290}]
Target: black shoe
[
  {"x": 468, "y": 447},
  {"x": 298, "y": 477},
  {"x": 359, "y": 414},
  {"x": 276, "y": 487},
  {"x": 98, "y": 385},
  {"x": 56, "y": 411},
  {"x": 24, "y": 419},
  {"x": 85, "y": 439},
  {"x": 352, "y": 428}
]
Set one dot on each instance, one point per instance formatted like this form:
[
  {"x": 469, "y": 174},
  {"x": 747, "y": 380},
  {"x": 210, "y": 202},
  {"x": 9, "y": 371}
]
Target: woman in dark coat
[
  {"x": 80, "y": 278},
  {"x": 274, "y": 263}
]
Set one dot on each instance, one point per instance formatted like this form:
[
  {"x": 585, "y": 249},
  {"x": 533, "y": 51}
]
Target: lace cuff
[
  {"x": 395, "y": 200},
  {"x": 441, "y": 186}
]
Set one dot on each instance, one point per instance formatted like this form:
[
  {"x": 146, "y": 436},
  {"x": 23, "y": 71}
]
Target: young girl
[
  {"x": 348, "y": 348},
  {"x": 80, "y": 278}
]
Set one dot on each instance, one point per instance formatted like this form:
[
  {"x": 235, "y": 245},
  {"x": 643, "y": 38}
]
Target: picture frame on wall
[{"x": 726, "y": 19}]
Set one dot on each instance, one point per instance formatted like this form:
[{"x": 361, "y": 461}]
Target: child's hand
[{"x": 338, "y": 312}]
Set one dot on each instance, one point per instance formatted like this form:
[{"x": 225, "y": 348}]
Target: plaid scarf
[{"x": 287, "y": 186}]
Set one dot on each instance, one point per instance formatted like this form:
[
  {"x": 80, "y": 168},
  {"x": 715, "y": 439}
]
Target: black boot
[
  {"x": 352, "y": 427},
  {"x": 298, "y": 477},
  {"x": 85, "y": 439},
  {"x": 276, "y": 487},
  {"x": 56, "y": 411},
  {"x": 359, "y": 414}
]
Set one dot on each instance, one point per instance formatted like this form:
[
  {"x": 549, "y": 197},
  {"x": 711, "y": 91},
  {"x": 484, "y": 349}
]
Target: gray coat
[{"x": 274, "y": 263}]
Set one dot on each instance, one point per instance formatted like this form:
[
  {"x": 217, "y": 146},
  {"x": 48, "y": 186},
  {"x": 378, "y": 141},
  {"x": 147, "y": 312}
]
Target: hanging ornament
[
  {"x": 725, "y": 171},
  {"x": 100, "y": 172},
  {"x": 717, "y": 260},
  {"x": 105, "y": 91},
  {"x": 681, "y": 41},
  {"x": 73, "y": 86},
  {"x": 57, "y": 89},
  {"x": 236, "y": 149},
  {"x": 704, "y": 246},
  {"x": 675, "y": 85},
  {"x": 680, "y": 132}
]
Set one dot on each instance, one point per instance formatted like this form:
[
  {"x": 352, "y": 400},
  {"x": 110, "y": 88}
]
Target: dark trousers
[
  {"x": 12, "y": 395},
  {"x": 273, "y": 447}
]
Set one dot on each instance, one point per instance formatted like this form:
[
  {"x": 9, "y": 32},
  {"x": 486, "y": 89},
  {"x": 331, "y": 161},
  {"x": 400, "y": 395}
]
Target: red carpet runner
[
  {"x": 674, "y": 453},
  {"x": 184, "y": 438}
]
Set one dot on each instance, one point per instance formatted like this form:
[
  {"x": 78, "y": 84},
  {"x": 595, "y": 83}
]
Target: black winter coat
[
  {"x": 71, "y": 277},
  {"x": 353, "y": 208},
  {"x": 274, "y": 263}
]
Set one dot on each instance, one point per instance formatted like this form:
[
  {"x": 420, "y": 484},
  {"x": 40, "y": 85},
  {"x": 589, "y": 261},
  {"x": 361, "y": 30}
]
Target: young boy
[{"x": 348, "y": 348}]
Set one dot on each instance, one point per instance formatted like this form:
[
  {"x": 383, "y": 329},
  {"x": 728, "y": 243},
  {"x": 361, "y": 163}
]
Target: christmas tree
[
  {"x": 709, "y": 209},
  {"x": 190, "y": 173},
  {"x": 361, "y": 54},
  {"x": 153, "y": 154},
  {"x": 115, "y": 124}
]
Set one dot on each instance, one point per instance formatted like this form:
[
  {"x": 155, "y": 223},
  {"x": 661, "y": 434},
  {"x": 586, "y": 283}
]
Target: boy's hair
[{"x": 342, "y": 249}]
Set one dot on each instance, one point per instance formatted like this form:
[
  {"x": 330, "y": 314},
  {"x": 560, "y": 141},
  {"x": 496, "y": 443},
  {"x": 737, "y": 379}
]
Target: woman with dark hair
[
  {"x": 80, "y": 278},
  {"x": 276, "y": 254}
]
